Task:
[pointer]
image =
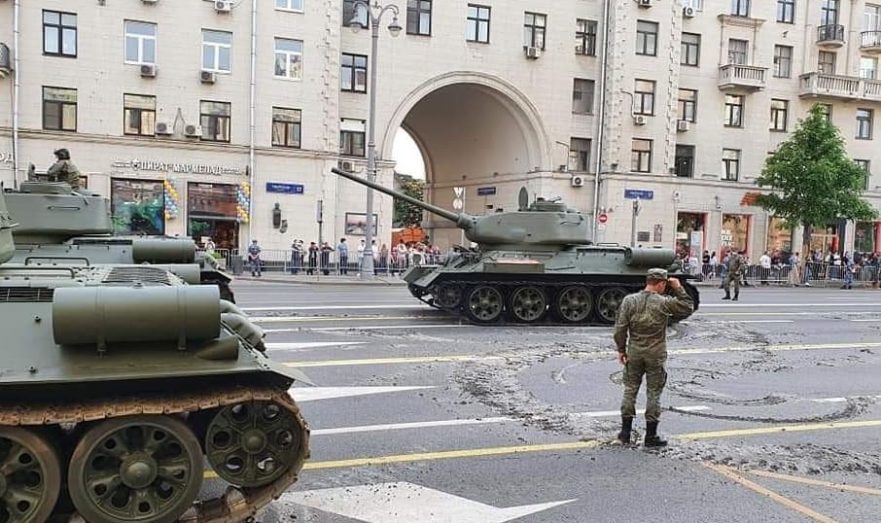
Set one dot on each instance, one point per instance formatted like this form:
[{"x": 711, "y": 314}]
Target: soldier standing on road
[
  {"x": 63, "y": 170},
  {"x": 641, "y": 339},
  {"x": 735, "y": 267}
]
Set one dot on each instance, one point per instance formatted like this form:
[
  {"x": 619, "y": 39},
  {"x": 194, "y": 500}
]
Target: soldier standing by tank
[
  {"x": 63, "y": 170},
  {"x": 735, "y": 267},
  {"x": 641, "y": 339}
]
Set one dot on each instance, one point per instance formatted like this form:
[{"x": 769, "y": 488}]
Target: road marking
[
  {"x": 369, "y": 328},
  {"x": 716, "y": 322},
  {"x": 311, "y": 345},
  {"x": 391, "y": 361},
  {"x": 817, "y": 482},
  {"x": 872, "y": 320},
  {"x": 774, "y": 313},
  {"x": 639, "y": 412},
  {"x": 733, "y": 475},
  {"x": 302, "y": 319},
  {"x": 302, "y": 394},
  {"x": 333, "y": 307},
  {"x": 842, "y": 399},
  {"x": 403, "y": 502},
  {"x": 755, "y": 431},
  {"x": 760, "y": 304}
]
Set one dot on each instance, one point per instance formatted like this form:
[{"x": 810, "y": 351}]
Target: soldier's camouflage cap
[{"x": 657, "y": 274}]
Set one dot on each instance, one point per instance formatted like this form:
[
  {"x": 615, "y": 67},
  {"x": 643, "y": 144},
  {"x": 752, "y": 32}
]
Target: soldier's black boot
[
  {"x": 736, "y": 295},
  {"x": 651, "y": 435},
  {"x": 626, "y": 429},
  {"x": 727, "y": 295}
]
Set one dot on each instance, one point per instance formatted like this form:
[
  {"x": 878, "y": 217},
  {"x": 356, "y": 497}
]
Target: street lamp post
[{"x": 374, "y": 16}]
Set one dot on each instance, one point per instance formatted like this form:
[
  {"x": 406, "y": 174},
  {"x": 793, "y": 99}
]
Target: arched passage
[{"x": 474, "y": 131}]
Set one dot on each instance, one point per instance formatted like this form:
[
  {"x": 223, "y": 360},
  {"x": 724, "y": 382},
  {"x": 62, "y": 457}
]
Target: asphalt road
[{"x": 773, "y": 414}]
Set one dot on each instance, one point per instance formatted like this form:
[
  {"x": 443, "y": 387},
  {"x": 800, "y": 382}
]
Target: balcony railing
[
  {"x": 842, "y": 87},
  {"x": 830, "y": 34},
  {"x": 870, "y": 41},
  {"x": 736, "y": 76}
]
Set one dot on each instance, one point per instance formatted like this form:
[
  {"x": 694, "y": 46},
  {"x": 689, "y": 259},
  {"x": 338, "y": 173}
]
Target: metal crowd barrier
[
  {"x": 329, "y": 263},
  {"x": 814, "y": 274}
]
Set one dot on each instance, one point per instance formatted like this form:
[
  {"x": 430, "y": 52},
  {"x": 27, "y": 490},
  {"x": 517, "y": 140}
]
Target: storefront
[
  {"x": 865, "y": 239},
  {"x": 779, "y": 236},
  {"x": 137, "y": 206},
  {"x": 735, "y": 233},
  {"x": 825, "y": 239},
  {"x": 691, "y": 230},
  {"x": 212, "y": 212}
]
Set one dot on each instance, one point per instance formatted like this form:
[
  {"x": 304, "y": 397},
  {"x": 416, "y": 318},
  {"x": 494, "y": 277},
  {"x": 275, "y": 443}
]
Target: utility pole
[{"x": 636, "y": 210}]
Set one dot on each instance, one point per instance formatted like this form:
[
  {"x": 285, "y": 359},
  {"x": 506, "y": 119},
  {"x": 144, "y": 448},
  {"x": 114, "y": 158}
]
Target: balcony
[
  {"x": 830, "y": 36},
  {"x": 819, "y": 85},
  {"x": 741, "y": 77},
  {"x": 5, "y": 61},
  {"x": 870, "y": 42}
]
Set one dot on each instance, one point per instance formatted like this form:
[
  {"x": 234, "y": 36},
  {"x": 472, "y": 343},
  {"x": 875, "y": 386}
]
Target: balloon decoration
[
  {"x": 172, "y": 200},
  {"x": 243, "y": 205}
]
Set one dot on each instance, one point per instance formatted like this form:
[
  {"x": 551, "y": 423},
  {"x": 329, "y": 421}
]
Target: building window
[
  {"x": 579, "y": 154},
  {"x": 288, "y": 58},
  {"x": 582, "y": 96},
  {"x": 352, "y": 137},
  {"x": 353, "y": 73},
  {"x": 586, "y": 37},
  {"x": 779, "y": 115},
  {"x": 872, "y": 20},
  {"x": 731, "y": 164},
  {"x": 782, "y": 61},
  {"x": 829, "y": 12},
  {"x": 865, "y": 165},
  {"x": 740, "y": 7},
  {"x": 868, "y": 68},
  {"x": 59, "y": 34},
  {"x": 684, "y": 163},
  {"x": 826, "y": 62},
  {"x": 733, "y": 110},
  {"x": 419, "y": 17},
  {"x": 864, "y": 124},
  {"x": 350, "y": 13},
  {"x": 286, "y": 127},
  {"x": 140, "y": 42},
  {"x": 216, "y": 51},
  {"x": 738, "y": 51},
  {"x": 691, "y": 49},
  {"x": 138, "y": 206},
  {"x": 534, "y": 27},
  {"x": 786, "y": 11},
  {"x": 59, "y": 109},
  {"x": 644, "y": 97},
  {"x": 215, "y": 120},
  {"x": 289, "y": 5},
  {"x": 687, "y": 105},
  {"x": 139, "y": 114},
  {"x": 641, "y": 155},
  {"x": 646, "y": 38},
  {"x": 477, "y": 24}
]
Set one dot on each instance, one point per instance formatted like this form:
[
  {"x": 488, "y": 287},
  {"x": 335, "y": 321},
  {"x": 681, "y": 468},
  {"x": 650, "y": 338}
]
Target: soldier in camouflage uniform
[
  {"x": 641, "y": 339},
  {"x": 64, "y": 170},
  {"x": 735, "y": 270}
]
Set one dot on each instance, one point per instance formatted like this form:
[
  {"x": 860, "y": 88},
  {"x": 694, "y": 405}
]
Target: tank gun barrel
[{"x": 463, "y": 220}]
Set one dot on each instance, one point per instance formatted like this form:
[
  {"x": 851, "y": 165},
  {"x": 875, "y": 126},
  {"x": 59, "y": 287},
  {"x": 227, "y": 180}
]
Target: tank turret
[{"x": 537, "y": 226}]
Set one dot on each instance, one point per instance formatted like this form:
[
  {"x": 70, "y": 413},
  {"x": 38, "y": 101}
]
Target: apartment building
[{"x": 223, "y": 118}]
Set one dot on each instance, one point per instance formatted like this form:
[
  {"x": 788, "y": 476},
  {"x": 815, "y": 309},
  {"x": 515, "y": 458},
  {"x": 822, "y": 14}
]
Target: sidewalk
[{"x": 303, "y": 279}]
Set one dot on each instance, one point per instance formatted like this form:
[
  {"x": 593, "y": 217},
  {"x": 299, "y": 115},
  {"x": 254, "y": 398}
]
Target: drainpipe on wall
[
  {"x": 252, "y": 120},
  {"x": 16, "y": 89},
  {"x": 607, "y": 35}
]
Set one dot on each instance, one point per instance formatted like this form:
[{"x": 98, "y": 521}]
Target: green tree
[
  {"x": 813, "y": 181},
  {"x": 406, "y": 214}
]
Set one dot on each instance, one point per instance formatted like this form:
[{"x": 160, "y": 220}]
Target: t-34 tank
[
  {"x": 532, "y": 265},
  {"x": 57, "y": 225},
  {"x": 120, "y": 383}
]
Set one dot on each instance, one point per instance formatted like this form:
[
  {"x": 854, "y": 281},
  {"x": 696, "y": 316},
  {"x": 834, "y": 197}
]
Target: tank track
[
  {"x": 548, "y": 320},
  {"x": 235, "y": 505}
]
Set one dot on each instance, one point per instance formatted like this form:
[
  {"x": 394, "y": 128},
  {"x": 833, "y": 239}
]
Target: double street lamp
[{"x": 374, "y": 14}]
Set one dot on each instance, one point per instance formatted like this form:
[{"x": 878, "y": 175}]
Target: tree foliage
[
  {"x": 406, "y": 214},
  {"x": 813, "y": 180}
]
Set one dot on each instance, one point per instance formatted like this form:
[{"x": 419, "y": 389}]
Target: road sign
[
  {"x": 486, "y": 191},
  {"x": 639, "y": 194},
  {"x": 603, "y": 218},
  {"x": 458, "y": 198},
  {"x": 285, "y": 188}
]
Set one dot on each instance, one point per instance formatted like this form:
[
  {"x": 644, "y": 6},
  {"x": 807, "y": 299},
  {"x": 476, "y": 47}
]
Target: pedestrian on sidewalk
[
  {"x": 734, "y": 269},
  {"x": 296, "y": 256},
  {"x": 765, "y": 267},
  {"x": 641, "y": 339},
  {"x": 326, "y": 249},
  {"x": 254, "y": 259},
  {"x": 343, "y": 250},
  {"x": 849, "y": 268},
  {"x": 794, "y": 276},
  {"x": 313, "y": 258}
]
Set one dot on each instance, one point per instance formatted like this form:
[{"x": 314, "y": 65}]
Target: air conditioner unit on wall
[
  {"x": 688, "y": 12},
  {"x": 639, "y": 119},
  {"x": 150, "y": 1},
  {"x": 346, "y": 165},
  {"x": 208, "y": 77},
  {"x": 577, "y": 181},
  {"x": 533, "y": 52},
  {"x": 223, "y": 6},
  {"x": 164, "y": 129},
  {"x": 683, "y": 126},
  {"x": 193, "y": 131},
  {"x": 149, "y": 70},
  {"x": 645, "y": 3}
]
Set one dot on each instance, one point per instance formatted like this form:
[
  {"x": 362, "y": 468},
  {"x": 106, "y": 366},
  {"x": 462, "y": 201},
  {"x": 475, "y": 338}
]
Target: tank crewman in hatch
[
  {"x": 63, "y": 170},
  {"x": 735, "y": 268},
  {"x": 641, "y": 339}
]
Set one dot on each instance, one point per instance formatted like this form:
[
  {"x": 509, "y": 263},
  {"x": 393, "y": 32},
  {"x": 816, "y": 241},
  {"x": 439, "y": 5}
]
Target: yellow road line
[
  {"x": 773, "y": 496},
  {"x": 391, "y": 361},
  {"x": 817, "y": 482},
  {"x": 755, "y": 431}
]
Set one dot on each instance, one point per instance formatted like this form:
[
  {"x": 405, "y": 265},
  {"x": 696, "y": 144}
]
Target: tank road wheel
[
  {"x": 527, "y": 304},
  {"x": 484, "y": 304},
  {"x": 252, "y": 444},
  {"x": 573, "y": 304},
  {"x": 30, "y": 476},
  {"x": 146, "y": 469},
  {"x": 608, "y": 302},
  {"x": 447, "y": 296}
]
